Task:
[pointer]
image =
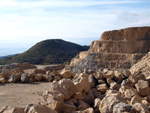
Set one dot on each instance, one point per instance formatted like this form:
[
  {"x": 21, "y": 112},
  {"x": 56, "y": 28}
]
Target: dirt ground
[{"x": 22, "y": 94}]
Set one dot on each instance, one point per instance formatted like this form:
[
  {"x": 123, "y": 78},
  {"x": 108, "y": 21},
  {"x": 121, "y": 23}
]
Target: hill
[{"x": 53, "y": 51}]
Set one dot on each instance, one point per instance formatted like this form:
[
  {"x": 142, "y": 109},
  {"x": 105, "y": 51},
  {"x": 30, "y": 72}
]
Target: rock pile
[
  {"x": 105, "y": 91},
  {"x": 27, "y": 73},
  {"x": 117, "y": 49}
]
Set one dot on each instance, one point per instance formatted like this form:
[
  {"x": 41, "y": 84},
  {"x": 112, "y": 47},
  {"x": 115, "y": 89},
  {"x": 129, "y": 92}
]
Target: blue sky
[{"x": 26, "y": 22}]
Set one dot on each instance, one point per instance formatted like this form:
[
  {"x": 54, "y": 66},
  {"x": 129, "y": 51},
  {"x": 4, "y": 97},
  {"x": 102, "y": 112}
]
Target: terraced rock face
[{"x": 118, "y": 49}]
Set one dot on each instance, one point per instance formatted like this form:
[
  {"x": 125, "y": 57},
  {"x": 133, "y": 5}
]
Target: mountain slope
[{"x": 54, "y": 51}]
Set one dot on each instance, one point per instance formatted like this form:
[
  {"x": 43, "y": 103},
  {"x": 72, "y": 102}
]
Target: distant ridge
[
  {"x": 52, "y": 51},
  {"x": 2, "y": 57}
]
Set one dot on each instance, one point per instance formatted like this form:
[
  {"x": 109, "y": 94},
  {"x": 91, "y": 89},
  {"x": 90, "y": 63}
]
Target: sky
[{"x": 23, "y": 23}]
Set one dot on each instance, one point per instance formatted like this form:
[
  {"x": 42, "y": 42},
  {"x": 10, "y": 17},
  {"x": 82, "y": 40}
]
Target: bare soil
[{"x": 22, "y": 94}]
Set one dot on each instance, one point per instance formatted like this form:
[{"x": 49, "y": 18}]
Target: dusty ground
[{"x": 22, "y": 94}]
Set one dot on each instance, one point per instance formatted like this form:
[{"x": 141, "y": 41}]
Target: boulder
[
  {"x": 6, "y": 73},
  {"x": 57, "y": 78},
  {"x": 126, "y": 73},
  {"x": 118, "y": 76},
  {"x": 114, "y": 86},
  {"x": 24, "y": 78},
  {"x": 97, "y": 94},
  {"x": 108, "y": 74},
  {"x": 9, "y": 109},
  {"x": 109, "y": 81},
  {"x": 56, "y": 105},
  {"x": 109, "y": 101},
  {"x": 38, "y": 77},
  {"x": 99, "y": 75},
  {"x": 12, "y": 79},
  {"x": 92, "y": 81},
  {"x": 40, "y": 109},
  {"x": 54, "y": 73},
  {"x": 83, "y": 105},
  {"x": 123, "y": 108},
  {"x": 136, "y": 99},
  {"x": 102, "y": 88},
  {"x": 140, "y": 108},
  {"x": 143, "y": 87},
  {"x": 146, "y": 103},
  {"x": 66, "y": 74},
  {"x": 82, "y": 84},
  {"x": 68, "y": 108},
  {"x": 64, "y": 87},
  {"x": 2, "y": 80},
  {"x": 47, "y": 78},
  {"x": 89, "y": 110},
  {"x": 128, "y": 92},
  {"x": 97, "y": 103},
  {"x": 78, "y": 96},
  {"x": 88, "y": 98}
]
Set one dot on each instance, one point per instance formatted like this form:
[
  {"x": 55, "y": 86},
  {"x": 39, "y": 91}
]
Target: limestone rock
[
  {"x": 99, "y": 75},
  {"x": 24, "y": 78},
  {"x": 38, "y": 77},
  {"x": 6, "y": 73},
  {"x": 126, "y": 73},
  {"x": 78, "y": 96},
  {"x": 118, "y": 76},
  {"x": 67, "y": 74},
  {"x": 47, "y": 78},
  {"x": 54, "y": 73},
  {"x": 12, "y": 79},
  {"x": 97, "y": 102},
  {"x": 2, "y": 80},
  {"x": 68, "y": 108},
  {"x": 140, "y": 108},
  {"x": 136, "y": 99},
  {"x": 114, "y": 86},
  {"x": 57, "y": 78},
  {"x": 40, "y": 109},
  {"x": 123, "y": 108},
  {"x": 83, "y": 105},
  {"x": 128, "y": 92},
  {"x": 143, "y": 87},
  {"x": 9, "y": 109},
  {"x": 65, "y": 87},
  {"x": 108, "y": 74},
  {"x": 89, "y": 110},
  {"x": 109, "y": 102},
  {"x": 102, "y": 88},
  {"x": 82, "y": 84}
]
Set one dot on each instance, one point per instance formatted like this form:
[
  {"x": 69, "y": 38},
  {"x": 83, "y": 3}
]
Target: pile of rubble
[
  {"x": 103, "y": 92},
  {"x": 28, "y": 73}
]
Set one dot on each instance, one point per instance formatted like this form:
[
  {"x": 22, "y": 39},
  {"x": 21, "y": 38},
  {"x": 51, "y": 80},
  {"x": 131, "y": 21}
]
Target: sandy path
[{"x": 22, "y": 94}]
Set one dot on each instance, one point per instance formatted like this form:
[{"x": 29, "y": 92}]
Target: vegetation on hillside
[{"x": 54, "y": 51}]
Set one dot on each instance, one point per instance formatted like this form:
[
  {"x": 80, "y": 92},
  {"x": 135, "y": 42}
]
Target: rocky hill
[
  {"x": 53, "y": 51},
  {"x": 117, "y": 49}
]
